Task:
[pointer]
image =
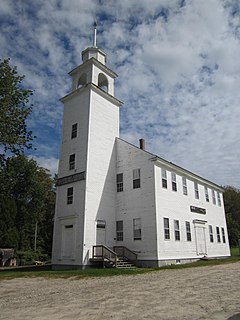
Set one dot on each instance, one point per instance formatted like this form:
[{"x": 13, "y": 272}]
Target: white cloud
[{"x": 178, "y": 65}]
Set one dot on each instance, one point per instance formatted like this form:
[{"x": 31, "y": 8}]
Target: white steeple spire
[{"x": 95, "y": 34}]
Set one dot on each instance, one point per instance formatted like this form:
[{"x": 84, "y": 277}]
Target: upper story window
[
  {"x": 72, "y": 161},
  {"x": 184, "y": 185},
  {"x": 196, "y": 190},
  {"x": 119, "y": 179},
  {"x": 213, "y": 197},
  {"x": 188, "y": 231},
  {"x": 164, "y": 178},
  {"x": 137, "y": 229},
  {"x": 219, "y": 199},
  {"x": 176, "y": 230},
  {"x": 174, "y": 182},
  {"x": 210, "y": 233},
  {"x": 206, "y": 194},
  {"x": 70, "y": 195},
  {"x": 166, "y": 229},
  {"x": 136, "y": 179},
  {"x": 74, "y": 130}
]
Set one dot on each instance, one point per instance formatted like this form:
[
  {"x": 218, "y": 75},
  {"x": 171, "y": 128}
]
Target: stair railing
[
  {"x": 103, "y": 252},
  {"x": 126, "y": 253}
]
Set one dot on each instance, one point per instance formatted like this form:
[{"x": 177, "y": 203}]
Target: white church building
[{"x": 116, "y": 200}]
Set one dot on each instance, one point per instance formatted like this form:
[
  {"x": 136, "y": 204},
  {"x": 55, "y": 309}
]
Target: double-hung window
[
  {"x": 219, "y": 199},
  {"x": 72, "y": 161},
  {"x": 174, "y": 182},
  {"x": 210, "y": 233},
  {"x": 136, "y": 179},
  {"x": 70, "y": 195},
  {"x": 188, "y": 231},
  {"x": 74, "y": 130},
  {"x": 137, "y": 229},
  {"x": 206, "y": 194},
  {"x": 184, "y": 185},
  {"x": 176, "y": 230},
  {"x": 119, "y": 179},
  {"x": 196, "y": 190},
  {"x": 223, "y": 235},
  {"x": 166, "y": 229},
  {"x": 218, "y": 234},
  {"x": 164, "y": 178},
  {"x": 213, "y": 197},
  {"x": 119, "y": 230}
]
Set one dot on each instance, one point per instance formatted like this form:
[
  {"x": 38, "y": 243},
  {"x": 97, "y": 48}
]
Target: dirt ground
[{"x": 196, "y": 293}]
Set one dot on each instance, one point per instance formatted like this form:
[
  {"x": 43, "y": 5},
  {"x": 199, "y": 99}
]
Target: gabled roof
[{"x": 172, "y": 166}]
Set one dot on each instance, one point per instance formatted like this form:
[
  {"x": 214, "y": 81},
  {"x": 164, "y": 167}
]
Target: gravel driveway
[{"x": 194, "y": 293}]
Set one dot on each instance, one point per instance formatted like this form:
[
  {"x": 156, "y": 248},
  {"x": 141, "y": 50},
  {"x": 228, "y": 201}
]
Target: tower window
[
  {"x": 103, "y": 82},
  {"x": 74, "y": 130},
  {"x": 119, "y": 229},
  {"x": 119, "y": 182},
  {"x": 136, "y": 179},
  {"x": 164, "y": 178},
  {"x": 166, "y": 229},
  {"x": 184, "y": 185},
  {"x": 196, "y": 190},
  {"x": 82, "y": 81},
  {"x": 72, "y": 161},
  {"x": 174, "y": 182},
  {"x": 70, "y": 195}
]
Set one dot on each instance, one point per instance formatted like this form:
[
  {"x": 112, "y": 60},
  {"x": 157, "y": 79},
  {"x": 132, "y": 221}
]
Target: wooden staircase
[{"x": 120, "y": 257}]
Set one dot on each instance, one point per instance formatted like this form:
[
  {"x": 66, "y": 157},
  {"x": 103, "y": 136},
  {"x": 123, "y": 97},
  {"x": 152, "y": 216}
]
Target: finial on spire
[{"x": 95, "y": 34}]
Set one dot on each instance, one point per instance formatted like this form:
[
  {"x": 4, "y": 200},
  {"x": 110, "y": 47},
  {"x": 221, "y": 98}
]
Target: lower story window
[
  {"x": 218, "y": 234},
  {"x": 223, "y": 235},
  {"x": 119, "y": 230},
  {"x": 188, "y": 231},
  {"x": 137, "y": 229},
  {"x": 210, "y": 233},
  {"x": 166, "y": 229},
  {"x": 176, "y": 230}
]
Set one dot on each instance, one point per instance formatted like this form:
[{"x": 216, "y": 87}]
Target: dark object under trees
[{"x": 14, "y": 110}]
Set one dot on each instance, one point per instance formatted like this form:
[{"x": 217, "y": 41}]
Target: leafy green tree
[
  {"x": 232, "y": 209},
  {"x": 30, "y": 187},
  {"x": 14, "y": 110}
]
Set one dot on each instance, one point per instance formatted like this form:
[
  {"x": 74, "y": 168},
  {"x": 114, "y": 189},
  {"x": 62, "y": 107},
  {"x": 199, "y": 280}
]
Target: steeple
[{"x": 94, "y": 52}]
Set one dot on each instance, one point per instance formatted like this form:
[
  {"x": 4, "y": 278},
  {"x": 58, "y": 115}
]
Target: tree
[
  {"x": 30, "y": 188},
  {"x": 14, "y": 110},
  {"x": 232, "y": 209}
]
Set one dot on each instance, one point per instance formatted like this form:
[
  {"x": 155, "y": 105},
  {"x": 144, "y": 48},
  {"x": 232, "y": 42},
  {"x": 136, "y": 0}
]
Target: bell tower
[{"x": 85, "y": 202}]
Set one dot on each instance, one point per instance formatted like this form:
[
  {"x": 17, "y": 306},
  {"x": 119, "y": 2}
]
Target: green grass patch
[
  {"x": 87, "y": 273},
  {"x": 76, "y": 274},
  {"x": 235, "y": 252}
]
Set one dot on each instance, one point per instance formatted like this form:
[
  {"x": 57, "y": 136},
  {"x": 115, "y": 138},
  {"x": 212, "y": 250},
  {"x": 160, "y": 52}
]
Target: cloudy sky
[{"x": 178, "y": 64}]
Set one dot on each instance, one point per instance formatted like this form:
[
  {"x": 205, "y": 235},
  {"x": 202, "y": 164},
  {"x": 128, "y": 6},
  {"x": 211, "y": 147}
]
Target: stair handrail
[
  {"x": 124, "y": 252},
  {"x": 103, "y": 254}
]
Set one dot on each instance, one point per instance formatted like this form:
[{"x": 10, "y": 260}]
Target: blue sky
[{"x": 178, "y": 65}]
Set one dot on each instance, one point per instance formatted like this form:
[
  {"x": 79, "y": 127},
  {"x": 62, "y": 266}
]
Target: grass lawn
[{"x": 78, "y": 274}]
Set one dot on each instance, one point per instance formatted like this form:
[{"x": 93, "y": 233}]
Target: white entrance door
[{"x": 200, "y": 239}]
